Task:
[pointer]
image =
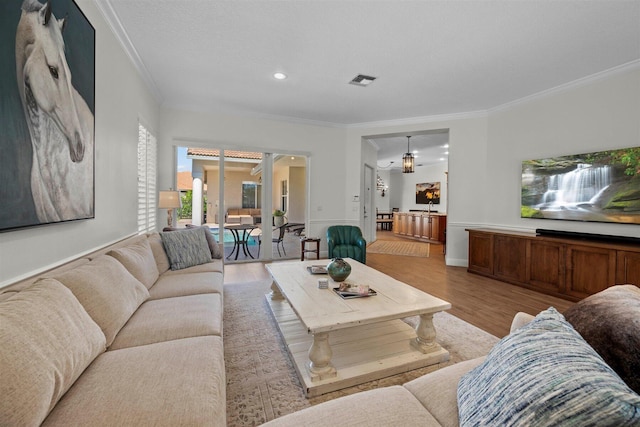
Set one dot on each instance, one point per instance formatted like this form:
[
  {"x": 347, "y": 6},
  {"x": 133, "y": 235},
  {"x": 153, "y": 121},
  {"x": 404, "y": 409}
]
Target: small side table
[{"x": 303, "y": 247}]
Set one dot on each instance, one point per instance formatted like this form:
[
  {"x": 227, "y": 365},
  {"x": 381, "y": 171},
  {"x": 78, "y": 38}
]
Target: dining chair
[{"x": 279, "y": 240}]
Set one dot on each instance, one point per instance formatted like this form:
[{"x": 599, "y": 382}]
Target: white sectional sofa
[{"x": 117, "y": 338}]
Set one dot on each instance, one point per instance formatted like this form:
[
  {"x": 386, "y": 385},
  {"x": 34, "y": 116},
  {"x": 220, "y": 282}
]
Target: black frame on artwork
[
  {"x": 428, "y": 192},
  {"x": 22, "y": 203}
]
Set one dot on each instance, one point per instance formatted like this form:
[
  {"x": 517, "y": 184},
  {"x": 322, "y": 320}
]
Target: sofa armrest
[{"x": 520, "y": 319}]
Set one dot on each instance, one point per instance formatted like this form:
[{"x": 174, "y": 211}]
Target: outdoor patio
[{"x": 289, "y": 249}]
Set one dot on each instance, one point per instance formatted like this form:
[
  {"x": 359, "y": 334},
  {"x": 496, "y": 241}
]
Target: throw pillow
[
  {"x": 610, "y": 322},
  {"x": 186, "y": 248},
  {"x": 138, "y": 260},
  {"x": 545, "y": 374},
  {"x": 46, "y": 341},
  {"x": 108, "y": 292},
  {"x": 214, "y": 247}
]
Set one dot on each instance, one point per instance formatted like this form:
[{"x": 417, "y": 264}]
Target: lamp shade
[{"x": 169, "y": 200}]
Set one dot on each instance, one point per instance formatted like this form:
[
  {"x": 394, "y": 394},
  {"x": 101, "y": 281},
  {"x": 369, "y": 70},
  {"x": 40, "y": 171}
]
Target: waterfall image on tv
[{"x": 603, "y": 187}]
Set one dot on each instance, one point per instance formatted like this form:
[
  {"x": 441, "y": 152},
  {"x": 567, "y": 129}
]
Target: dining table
[{"x": 241, "y": 234}]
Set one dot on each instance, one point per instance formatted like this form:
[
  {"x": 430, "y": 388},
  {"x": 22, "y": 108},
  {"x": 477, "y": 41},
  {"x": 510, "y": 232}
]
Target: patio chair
[{"x": 279, "y": 241}]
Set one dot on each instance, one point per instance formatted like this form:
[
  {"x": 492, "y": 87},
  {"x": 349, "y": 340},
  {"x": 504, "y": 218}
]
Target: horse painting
[{"x": 59, "y": 120}]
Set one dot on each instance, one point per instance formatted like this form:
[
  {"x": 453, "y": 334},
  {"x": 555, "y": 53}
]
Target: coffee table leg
[
  {"x": 276, "y": 295},
  {"x": 425, "y": 341},
  {"x": 320, "y": 354}
]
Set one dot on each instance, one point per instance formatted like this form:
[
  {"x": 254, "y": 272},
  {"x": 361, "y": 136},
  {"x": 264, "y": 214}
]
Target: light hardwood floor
[{"x": 486, "y": 303}]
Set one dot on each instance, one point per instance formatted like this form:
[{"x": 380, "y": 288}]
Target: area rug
[
  {"x": 261, "y": 381},
  {"x": 399, "y": 248}
]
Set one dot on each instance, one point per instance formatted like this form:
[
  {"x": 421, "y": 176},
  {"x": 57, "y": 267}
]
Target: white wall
[
  {"x": 596, "y": 116},
  {"x": 121, "y": 98}
]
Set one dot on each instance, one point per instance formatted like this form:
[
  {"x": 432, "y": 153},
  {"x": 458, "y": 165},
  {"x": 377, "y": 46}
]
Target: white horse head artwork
[{"x": 59, "y": 120}]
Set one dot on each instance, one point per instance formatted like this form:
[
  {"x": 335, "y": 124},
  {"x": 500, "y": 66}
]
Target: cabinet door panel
[
  {"x": 425, "y": 231},
  {"x": 545, "y": 265},
  {"x": 435, "y": 228},
  {"x": 628, "y": 268},
  {"x": 417, "y": 225},
  {"x": 481, "y": 253},
  {"x": 510, "y": 258},
  {"x": 442, "y": 229},
  {"x": 589, "y": 270}
]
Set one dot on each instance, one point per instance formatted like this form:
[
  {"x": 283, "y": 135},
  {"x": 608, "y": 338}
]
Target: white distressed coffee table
[{"x": 337, "y": 343}]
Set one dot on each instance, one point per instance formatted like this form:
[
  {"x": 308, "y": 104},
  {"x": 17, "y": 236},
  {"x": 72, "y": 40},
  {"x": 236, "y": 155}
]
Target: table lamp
[{"x": 169, "y": 200}]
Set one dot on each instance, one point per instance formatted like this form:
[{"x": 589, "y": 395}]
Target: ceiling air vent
[{"x": 362, "y": 80}]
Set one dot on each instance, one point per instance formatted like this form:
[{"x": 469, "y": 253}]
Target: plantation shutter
[{"x": 147, "y": 157}]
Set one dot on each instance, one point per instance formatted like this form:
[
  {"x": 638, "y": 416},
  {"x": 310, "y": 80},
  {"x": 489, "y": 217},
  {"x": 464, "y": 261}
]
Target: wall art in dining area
[{"x": 428, "y": 192}]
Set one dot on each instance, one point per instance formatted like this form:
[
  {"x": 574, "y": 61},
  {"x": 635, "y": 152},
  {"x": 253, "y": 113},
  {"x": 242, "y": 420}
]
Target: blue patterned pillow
[
  {"x": 545, "y": 374},
  {"x": 186, "y": 248}
]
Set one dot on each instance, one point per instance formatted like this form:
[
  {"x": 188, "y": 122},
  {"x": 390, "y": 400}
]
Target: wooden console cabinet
[
  {"x": 568, "y": 268},
  {"x": 422, "y": 226}
]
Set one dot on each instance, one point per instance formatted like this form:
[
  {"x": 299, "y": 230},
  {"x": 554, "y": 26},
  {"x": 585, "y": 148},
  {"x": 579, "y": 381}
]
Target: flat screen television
[{"x": 602, "y": 187}]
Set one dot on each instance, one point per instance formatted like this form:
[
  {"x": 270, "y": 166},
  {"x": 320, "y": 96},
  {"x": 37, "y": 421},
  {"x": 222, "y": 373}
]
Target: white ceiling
[{"x": 430, "y": 57}]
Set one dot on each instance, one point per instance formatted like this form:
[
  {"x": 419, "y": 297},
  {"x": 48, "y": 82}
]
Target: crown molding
[
  {"x": 253, "y": 115},
  {"x": 629, "y": 66},
  {"x": 419, "y": 120},
  {"x": 114, "y": 23}
]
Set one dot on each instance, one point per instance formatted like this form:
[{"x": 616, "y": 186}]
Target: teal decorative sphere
[{"x": 338, "y": 269}]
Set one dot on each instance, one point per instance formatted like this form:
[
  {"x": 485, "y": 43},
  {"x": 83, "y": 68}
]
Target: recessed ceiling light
[{"x": 279, "y": 76}]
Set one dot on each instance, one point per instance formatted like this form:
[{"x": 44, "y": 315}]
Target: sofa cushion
[
  {"x": 138, "y": 259},
  {"x": 47, "y": 339},
  {"x": 172, "y": 383},
  {"x": 186, "y": 248},
  {"x": 179, "y": 285},
  {"x": 170, "y": 319},
  {"x": 162, "y": 262},
  {"x": 545, "y": 374},
  {"x": 216, "y": 265},
  {"x": 389, "y": 406},
  {"x": 214, "y": 247},
  {"x": 443, "y": 405},
  {"x": 108, "y": 292},
  {"x": 610, "y": 322}
]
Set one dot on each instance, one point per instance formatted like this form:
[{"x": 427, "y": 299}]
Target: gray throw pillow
[
  {"x": 214, "y": 247},
  {"x": 186, "y": 248}
]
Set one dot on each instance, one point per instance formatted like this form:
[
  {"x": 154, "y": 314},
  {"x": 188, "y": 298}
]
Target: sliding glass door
[{"x": 236, "y": 193}]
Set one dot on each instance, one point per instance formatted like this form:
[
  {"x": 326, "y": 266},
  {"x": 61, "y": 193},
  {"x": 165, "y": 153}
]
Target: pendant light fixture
[{"x": 408, "y": 160}]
